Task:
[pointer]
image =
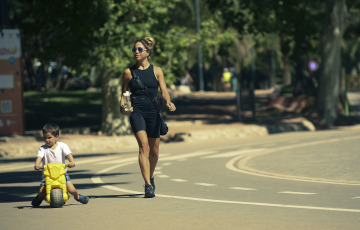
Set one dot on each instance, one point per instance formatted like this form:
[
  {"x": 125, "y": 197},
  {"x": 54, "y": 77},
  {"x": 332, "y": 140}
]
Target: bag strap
[{"x": 144, "y": 89}]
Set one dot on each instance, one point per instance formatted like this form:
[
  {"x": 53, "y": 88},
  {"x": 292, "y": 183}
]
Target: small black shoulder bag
[{"x": 163, "y": 126}]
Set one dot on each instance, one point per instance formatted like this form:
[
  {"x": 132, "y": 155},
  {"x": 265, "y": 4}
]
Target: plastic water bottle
[{"x": 127, "y": 105}]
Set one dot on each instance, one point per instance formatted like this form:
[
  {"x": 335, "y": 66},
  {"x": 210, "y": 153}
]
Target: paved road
[{"x": 304, "y": 180}]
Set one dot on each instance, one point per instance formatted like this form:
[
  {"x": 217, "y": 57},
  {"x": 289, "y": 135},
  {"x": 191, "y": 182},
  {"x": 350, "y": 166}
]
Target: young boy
[{"x": 55, "y": 151}]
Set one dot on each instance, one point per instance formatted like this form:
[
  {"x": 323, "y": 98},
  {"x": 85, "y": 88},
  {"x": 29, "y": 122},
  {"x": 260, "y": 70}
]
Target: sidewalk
[{"x": 199, "y": 116}]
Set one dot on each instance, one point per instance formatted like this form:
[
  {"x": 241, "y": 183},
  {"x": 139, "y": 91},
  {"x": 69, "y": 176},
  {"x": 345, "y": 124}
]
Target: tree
[
  {"x": 337, "y": 21},
  {"x": 60, "y": 31},
  {"x": 299, "y": 24},
  {"x": 98, "y": 35},
  {"x": 128, "y": 21},
  {"x": 217, "y": 42}
]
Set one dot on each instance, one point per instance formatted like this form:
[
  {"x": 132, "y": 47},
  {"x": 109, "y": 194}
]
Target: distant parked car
[
  {"x": 69, "y": 81},
  {"x": 81, "y": 83}
]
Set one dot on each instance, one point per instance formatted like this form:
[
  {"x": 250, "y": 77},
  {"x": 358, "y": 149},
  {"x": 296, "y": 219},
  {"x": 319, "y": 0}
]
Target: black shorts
[{"x": 145, "y": 117}]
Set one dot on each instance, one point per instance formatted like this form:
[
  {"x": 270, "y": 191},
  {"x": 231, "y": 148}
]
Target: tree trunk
[
  {"x": 27, "y": 72},
  {"x": 48, "y": 80},
  {"x": 287, "y": 70},
  {"x": 285, "y": 49},
  {"x": 330, "y": 68},
  {"x": 59, "y": 74},
  {"x": 113, "y": 122}
]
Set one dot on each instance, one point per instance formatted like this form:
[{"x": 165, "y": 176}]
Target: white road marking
[
  {"x": 206, "y": 184},
  {"x": 167, "y": 164},
  {"x": 234, "y": 153},
  {"x": 110, "y": 160},
  {"x": 22, "y": 184},
  {"x": 114, "y": 167},
  {"x": 179, "y": 180},
  {"x": 31, "y": 165},
  {"x": 244, "y": 189},
  {"x": 357, "y": 197},
  {"x": 163, "y": 176},
  {"x": 297, "y": 193},
  {"x": 97, "y": 179},
  {"x": 17, "y": 166},
  {"x": 157, "y": 172},
  {"x": 97, "y": 159},
  {"x": 130, "y": 159},
  {"x": 242, "y": 168},
  {"x": 185, "y": 156}
]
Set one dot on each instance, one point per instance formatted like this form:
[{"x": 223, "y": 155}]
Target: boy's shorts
[{"x": 42, "y": 183}]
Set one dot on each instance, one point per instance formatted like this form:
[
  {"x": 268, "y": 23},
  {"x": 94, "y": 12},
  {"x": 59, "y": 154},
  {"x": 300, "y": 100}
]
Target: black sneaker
[
  {"x": 36, "y": 202},
  {"x": 152, "y": 182},
  {"x": 83, "y": 199},
  {"x": 149, "y": 191}
]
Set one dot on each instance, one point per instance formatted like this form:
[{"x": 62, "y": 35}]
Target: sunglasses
[{"x": 140, "y": 49}]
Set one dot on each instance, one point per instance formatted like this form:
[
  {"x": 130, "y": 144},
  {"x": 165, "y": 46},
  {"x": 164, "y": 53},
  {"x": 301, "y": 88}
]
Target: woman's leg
[
  {"x": 144, "y": 151},
  {"x": 154, "y": 154}
]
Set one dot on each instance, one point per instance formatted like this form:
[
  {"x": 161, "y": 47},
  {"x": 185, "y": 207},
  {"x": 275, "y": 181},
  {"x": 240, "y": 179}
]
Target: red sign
[{"x": 11, "y": 87}]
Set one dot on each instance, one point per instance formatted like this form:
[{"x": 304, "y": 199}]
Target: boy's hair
[{"x": 51, "y": 128}]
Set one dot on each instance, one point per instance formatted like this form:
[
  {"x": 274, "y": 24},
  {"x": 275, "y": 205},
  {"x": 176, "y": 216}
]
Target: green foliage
[
  {"x": 84, "y": 34},
  {"x": 100, "y": 33},
  {"x": 58, "y": 29},
  {"x": 297, "y": 22},
  {"x": 351, "y": 43},
  {"x": 67, "y": 108},
  {"x": 129, "y": 21}
]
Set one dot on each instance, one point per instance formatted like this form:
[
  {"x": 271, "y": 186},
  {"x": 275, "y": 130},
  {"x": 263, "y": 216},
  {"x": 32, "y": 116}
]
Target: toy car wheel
[{"x": 57, "y": 200}]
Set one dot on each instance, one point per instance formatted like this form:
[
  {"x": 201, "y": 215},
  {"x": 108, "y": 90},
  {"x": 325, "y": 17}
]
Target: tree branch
[{"x": 350, "y": 18}]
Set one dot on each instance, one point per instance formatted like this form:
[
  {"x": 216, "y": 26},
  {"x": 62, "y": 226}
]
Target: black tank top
[{"x": 147, "y": 76}]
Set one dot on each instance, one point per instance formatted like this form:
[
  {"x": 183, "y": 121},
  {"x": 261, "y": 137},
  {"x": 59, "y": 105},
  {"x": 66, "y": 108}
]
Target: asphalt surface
[
  {"x": 213, "y": 173},
  {"x": 206, "y": 116},
  {"x": 301, "y": 180}
]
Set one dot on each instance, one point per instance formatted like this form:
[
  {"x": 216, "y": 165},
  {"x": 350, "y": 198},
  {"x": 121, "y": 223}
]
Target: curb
[
  {"x": 23, "y": 147},
  {"x": 27, "y": 146}
]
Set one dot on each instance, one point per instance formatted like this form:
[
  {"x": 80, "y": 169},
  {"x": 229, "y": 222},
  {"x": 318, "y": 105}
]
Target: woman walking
[{"x": 144, "y": 117}]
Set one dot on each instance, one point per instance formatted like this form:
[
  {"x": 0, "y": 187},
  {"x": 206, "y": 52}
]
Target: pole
[
  {"x": 346, "y": 98},
  {"x": 200, "y": 61},
  {"x": 273, "y": 71},
  {"x": 253, "y": 81},
  {"x": 238, "y": 103}
]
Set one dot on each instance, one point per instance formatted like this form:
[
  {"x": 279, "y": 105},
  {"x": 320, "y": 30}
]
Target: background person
[
  {"x": 226, "y": 77},
  {"x": 187, "y": 79}
]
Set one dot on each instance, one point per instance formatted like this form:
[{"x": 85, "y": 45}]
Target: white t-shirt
[{"x": 55, "y": 155}]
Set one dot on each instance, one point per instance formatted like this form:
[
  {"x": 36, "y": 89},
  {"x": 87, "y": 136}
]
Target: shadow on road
[
  {"x": 43, "y": 206},
  {"x": 141, "y": 195},
  {"x": 14, "y": 188},
  {"x": 78, "y": 156}
]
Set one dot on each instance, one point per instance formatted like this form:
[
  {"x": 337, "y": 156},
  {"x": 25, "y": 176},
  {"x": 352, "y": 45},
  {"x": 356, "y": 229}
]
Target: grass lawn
[{"x": 69, "y": 109}]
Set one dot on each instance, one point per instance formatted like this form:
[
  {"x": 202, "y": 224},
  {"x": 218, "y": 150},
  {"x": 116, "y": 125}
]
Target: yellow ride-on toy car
[{"x": 55, "y": 184}]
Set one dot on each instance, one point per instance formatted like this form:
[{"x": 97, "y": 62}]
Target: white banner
[{"x": 10, "y": 44}]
